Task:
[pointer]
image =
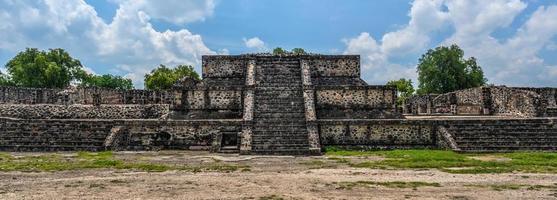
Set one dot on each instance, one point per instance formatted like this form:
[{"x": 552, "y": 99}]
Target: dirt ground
[{"x": 268, "y": 177}]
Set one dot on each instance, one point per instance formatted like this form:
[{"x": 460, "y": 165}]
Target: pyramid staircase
[{"x": 279, "y": 123}]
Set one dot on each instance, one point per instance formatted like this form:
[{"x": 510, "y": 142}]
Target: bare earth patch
[{"x": 267, "y": 177}]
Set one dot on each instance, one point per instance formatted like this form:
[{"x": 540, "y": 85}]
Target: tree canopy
[
  {"x": 49, "y": 69},
  {"x": 107, "y": 81},
  {"x": 5, "y": 80},
  {"x": 163, "y": 77},
  {"x": 404, "y": 89},
  {"x": 298, "y": 51},
  {"x": 295, "y": 51},
  {"x": 279, "y": 51},
  {"x": 444, "y": 69}
]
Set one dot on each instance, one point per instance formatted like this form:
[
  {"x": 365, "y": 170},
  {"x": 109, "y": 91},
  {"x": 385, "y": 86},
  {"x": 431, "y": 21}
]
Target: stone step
[
  {"x": 507, "y": 134},
  {"x": 279, "y": 99},
  {"x": 286, "y": 140},
  {"x": 293, "y": 83},
  {"x": 279, "y": 75},
  {"x": 44, "y": 138},
  {"x": 279, "y": 67},
  {"x": 275, "y": 85},
  {"x": 281, "y": 122},
  {"x": 264, "y": 67},
  {"x": 279, "y": 114},
  {"x": 503, "y": 126},
  {"x": 277, "y": 109},
  {"x": 280, "y": 142},
  {"x": 269, "y": 104},
  {"x": 49, "y": 141},
  {"x": 503, "y": 142},
  {"x": 520, "y": 137},
  {"x": 294, "y": 117},
  {"x": 299, "y": 111},
  {"x": 35, "y": 148}
]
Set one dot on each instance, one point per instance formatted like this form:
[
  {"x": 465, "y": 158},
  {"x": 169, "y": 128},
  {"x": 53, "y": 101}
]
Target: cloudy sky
[{"x": 515, "y": 41}]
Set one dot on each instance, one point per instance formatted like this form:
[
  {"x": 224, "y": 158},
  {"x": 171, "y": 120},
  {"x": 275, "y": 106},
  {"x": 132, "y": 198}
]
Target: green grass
[
  {"x": 393, "y": 184},
  {"x": 501, "y": 187},
  {"x": 87, "y": 160},
  {"x": 449, "y": 161}
]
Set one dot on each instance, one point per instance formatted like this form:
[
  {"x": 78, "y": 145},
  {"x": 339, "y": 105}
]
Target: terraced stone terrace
[{"x": 263, "y": 104}]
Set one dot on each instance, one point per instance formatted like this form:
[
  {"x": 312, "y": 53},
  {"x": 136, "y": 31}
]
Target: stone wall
[
  {"x": 18, "y": 95},
  {"x": 419, "y": 104},
  {"x": 355, "y": 102},
  {"x": 493, "y": 100},
  {"x": 216, "y": 66},
  {"x": 210, "y": 104},
  {"x": 548, "y": 95},
  {"x": 378, "y": 133},
  {"x": 467, "y": 101},
  {"x": 224, "y": 66},
  {"x": 513, "y": 102},
  {"x": 79, "y": 111},
  {"x": 95, "y": 135}
]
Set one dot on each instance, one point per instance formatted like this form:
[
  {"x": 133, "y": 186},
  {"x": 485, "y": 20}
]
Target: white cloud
[
  {"x": 426, "y": 16},
  {"x": 129, "y": 40},
  {"x": 255, "y": 43},
  {"x": 552, "y": 46},
  {"x": 513, "y": 61}
]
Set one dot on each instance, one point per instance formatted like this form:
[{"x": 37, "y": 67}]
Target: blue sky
[{"x": 514, "y": 40}]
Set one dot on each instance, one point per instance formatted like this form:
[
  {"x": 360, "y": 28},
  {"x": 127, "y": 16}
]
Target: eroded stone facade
[{"x": 266, "y": 104}]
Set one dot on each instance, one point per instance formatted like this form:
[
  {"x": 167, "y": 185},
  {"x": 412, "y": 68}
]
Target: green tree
[
  {"x": 52, "y": 69},
  {"x": 298, "y": 51},
  {"x": 107, "y": 81},
  {"x": 163, "y": 77},
  {"x": 279, "y": 51},
  {"x": 445, "y": 70},
  {"x": 5, "y": 80},
  {"x": 404, "y": 89}
]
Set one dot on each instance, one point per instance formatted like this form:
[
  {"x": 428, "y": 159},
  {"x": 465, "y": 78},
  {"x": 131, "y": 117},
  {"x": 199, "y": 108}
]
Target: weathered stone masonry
[{"x": 265, "y": 104}]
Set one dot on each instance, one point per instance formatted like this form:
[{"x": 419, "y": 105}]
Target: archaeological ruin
[{"x": 268, "y": 104}]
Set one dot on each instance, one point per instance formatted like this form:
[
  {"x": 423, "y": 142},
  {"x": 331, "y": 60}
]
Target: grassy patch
[
  {"x": 340, "y": 160},
  {"x": 502, "y": 187},
  {"x": 87, "y": 160},
  {"x": 393, "y": 184},
  {"x": 449, "y": 161},
  {"x": 319, "y": 164}
]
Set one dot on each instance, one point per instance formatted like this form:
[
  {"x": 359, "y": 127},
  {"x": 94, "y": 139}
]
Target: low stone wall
[
  {"x": 18, "y": 95},
  {"x": 468, "y": 102},
  {"x": 355, "y": 102},
  {"x": 378, "y": 133},
  {"x": 514, "y": 102},
  {"x": 95, "y": 135},
  {"x": 78, "y": 111},
  {"x": 493, "y": 100},
  {"x": 548, "y": 95}
]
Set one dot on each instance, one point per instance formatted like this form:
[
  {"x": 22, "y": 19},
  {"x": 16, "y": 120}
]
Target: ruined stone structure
[
  {"x": 265, "y": 104},
  {"x": 487, "y": 101}
]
